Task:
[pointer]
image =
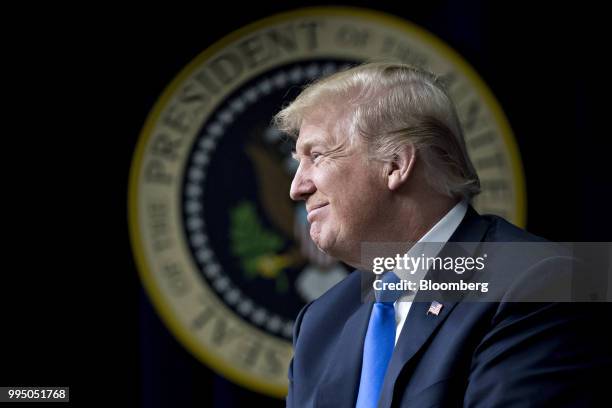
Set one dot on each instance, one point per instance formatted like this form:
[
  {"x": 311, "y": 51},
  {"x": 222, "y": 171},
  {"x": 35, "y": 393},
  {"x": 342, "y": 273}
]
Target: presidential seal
[{"x": 223, "y": 252}]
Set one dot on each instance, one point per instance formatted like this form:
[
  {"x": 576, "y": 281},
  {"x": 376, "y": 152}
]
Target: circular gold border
[{"x": 149, "y": 282}]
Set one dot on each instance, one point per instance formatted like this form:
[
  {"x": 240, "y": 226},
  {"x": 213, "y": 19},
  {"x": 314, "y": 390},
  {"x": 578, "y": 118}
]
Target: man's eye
[{"x": 315, "y": 155}]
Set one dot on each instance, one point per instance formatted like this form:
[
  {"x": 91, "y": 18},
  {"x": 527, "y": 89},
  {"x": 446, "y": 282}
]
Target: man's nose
[{"x": 301, "y": 187}]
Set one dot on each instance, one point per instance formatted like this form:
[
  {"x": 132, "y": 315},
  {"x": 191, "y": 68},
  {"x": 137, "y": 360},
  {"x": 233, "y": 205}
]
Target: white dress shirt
[{"x": 439, "y": 233}]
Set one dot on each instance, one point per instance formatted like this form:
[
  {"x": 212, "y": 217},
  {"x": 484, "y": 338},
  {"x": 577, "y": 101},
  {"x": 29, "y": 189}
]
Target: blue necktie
[{"x": 378, "y": 346}]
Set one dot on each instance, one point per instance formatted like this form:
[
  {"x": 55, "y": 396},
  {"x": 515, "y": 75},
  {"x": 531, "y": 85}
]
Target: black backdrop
[{"x": 73, "y": 307}]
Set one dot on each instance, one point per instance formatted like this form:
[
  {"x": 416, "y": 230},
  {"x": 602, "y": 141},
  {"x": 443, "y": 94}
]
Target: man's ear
[{"x": 401, "y": 166}]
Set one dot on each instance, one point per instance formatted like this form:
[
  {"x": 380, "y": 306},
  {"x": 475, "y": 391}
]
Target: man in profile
[{"x": 382, "y": 158}]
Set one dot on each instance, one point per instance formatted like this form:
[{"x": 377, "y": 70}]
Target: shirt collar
[
  {"x": 432, "y": 242},
  {"x": 447, "y": 225},
  {"x": 438, "y": 235}
]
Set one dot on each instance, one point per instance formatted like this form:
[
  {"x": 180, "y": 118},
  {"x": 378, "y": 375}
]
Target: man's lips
[{"x": 314, "y": 210}]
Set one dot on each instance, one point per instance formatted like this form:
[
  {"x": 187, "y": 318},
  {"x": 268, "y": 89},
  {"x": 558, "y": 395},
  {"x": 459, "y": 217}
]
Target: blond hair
[{"x": 390, "y": 105}]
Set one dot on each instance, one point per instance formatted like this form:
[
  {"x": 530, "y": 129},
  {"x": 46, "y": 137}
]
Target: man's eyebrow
[
  {"x": 304, "y": 147},
  {"x": 308, "y": 144}
]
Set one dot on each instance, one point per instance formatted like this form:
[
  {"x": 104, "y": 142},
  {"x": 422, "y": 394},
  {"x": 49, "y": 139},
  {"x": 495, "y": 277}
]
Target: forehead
[
  {"x": 312, "y": 134},
  {"x": 320, "y": 129}
]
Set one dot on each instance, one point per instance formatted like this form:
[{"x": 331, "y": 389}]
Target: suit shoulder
[
  {"x": 347, "y": 288},
  {"x": 503, "y": 231},
  {"x": 344, "y": 295},
  {"x": 514, "y": 247}
]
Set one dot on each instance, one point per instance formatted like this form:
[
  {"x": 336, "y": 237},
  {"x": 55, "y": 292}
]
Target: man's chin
[
  {"x": 319, "y": 240},
  {"x": 325, "y": 245},
  {"x": 318, "y": 243}
]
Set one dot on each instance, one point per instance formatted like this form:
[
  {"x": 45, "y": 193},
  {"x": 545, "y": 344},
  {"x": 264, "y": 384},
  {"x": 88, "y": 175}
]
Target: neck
[
  {"x": 419, "y": 216},
  {"x": 405, "y": 223}
]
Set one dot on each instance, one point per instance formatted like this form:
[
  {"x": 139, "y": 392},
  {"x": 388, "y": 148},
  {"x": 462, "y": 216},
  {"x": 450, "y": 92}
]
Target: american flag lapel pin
[{"x": 435, "y": 308}]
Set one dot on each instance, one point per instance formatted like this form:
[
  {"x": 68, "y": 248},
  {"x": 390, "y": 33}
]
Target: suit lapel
[{"x": 420, "y": 325}]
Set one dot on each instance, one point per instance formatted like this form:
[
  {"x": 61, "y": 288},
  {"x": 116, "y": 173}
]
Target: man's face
[{"x": 341, "y": 188}]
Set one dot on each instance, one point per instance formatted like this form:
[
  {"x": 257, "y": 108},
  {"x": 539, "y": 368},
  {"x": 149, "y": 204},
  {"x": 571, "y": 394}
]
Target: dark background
[{"x": 73, "y": 310}]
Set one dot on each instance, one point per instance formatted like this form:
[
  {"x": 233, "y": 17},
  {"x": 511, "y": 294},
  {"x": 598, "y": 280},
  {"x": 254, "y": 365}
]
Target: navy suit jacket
[{"x": 472, "y": 354}]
